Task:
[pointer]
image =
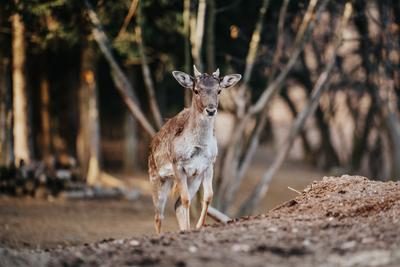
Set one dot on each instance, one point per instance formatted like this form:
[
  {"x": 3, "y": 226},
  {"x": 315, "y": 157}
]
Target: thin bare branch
[
  {"x": 231, "y": 159},
  {"x": 320, "y": 86},
  {"x": 251, "y": 58},
  {"x": 128, "y": 18},
  {"x": 294, "y": 190},
  {"x": 254, "y": 141},
  {"x": 304, "y": 31},
  {"x": 146, "y": 72},
  {"x": 122, "y": 83},
  {"x": 281, "y": 38}
]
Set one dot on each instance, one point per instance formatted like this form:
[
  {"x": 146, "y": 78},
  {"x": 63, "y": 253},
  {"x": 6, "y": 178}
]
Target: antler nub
[
  {"x": 196, "y": 72},
  {"x": 216, "y": 73}
]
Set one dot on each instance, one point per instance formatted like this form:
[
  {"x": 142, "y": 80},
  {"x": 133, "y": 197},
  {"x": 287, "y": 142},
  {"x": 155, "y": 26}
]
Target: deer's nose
[{"x": 211, "y": 111}]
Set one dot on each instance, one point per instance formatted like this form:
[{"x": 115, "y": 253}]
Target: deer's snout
[{"x": 211, "y": 111}]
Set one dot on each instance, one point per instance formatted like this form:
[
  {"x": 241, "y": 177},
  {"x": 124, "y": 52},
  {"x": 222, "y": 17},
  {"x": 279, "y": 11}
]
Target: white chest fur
[
  {"x": 194, "y": 151},
  {"x": 195, "y": 154}
]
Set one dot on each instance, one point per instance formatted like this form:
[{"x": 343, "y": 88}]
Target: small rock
[
  {"x": 348, "y": 245},
  {"x": 368, "y": 240},
  {"x": 306, "y": 242},
  {"x": 240, "y": 248},
  {"x": 273, "y": 229},
  {"x": 103, "y": 246},
  {"x": 119, "y": 242},
  {"x": 192, "y": 249},
  {"x": 134, "y": 243}
]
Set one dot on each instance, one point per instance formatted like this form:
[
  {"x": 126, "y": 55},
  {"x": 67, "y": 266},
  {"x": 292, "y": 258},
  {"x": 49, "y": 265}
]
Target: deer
[{"x": 182, "y": 154}]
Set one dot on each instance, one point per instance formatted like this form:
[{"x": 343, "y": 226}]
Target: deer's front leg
[
  {"x": 207, "y": 197},
  {"x": 182, "y": 209}
]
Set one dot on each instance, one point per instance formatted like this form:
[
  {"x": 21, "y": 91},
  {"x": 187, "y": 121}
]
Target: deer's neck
[{"x": 201, "y": 126}]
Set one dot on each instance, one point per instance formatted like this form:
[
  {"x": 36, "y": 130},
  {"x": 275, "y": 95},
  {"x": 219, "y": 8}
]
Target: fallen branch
[
  {"x": 217, "y": 215},
  {"x": 294, "y": 190}
]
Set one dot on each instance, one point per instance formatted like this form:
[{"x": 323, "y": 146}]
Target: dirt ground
[
  {"x": 339, "y": 221},
  {"x": 42, "y": 224}
]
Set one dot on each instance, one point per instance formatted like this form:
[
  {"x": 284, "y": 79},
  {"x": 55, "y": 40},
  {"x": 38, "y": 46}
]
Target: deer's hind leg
[{"x": 161, "y": 188}]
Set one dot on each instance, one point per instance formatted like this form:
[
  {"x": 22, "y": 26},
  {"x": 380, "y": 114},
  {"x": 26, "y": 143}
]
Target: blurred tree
[
  {"x": 5, "y": 91},
  {"x": 89, "y": 133},
  {"x": 20, "y": 95},
  {"x": 45, "y": 117}
]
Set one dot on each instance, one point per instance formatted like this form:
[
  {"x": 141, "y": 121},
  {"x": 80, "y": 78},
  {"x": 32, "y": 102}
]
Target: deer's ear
[
  {"x": 229, "y": 80},
  {"x": 183, "y": 79}
]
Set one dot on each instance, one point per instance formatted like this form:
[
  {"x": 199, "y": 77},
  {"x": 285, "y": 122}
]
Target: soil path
[{"x": 339, "y": 221}]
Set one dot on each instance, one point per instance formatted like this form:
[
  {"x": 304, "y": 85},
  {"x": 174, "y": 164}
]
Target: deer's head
[{"x": 206, "y": 88}]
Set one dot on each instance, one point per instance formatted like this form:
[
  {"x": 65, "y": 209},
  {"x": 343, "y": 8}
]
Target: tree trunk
[
  {"x": 20, "y": 95},
  {"x": 89, "y": 133},
  {"x": 130, "y": 144},
  {"x": 306, "y": 145},
  {"x": 5, "y": 113},
  {"x": 329, "y": 155},
  {"x": 360, "y": 141},
  {"x": 210, "y": 42},
  {"x": 197, "y": 35},
  {"x": 45, "y": 117},
  {"x": 186, "y": 32}
]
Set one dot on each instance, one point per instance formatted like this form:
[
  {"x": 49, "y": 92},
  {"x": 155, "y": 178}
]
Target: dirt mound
[
  {"x": 339, "y": 221},
  {"x": 343, "y": 197}
]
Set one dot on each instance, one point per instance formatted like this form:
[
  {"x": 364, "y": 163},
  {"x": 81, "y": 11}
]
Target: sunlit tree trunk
[
  {"x": 20, "y": 98},
  {"x": 89, "y": 133},
  {"x": 197, "y": 33},
  {"x": 82, "y": 144}
]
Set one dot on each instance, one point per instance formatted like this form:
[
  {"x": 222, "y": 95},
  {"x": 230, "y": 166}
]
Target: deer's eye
[
  {"x": 196, "y": 91},
  {"x": 219, "y": 91}
]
